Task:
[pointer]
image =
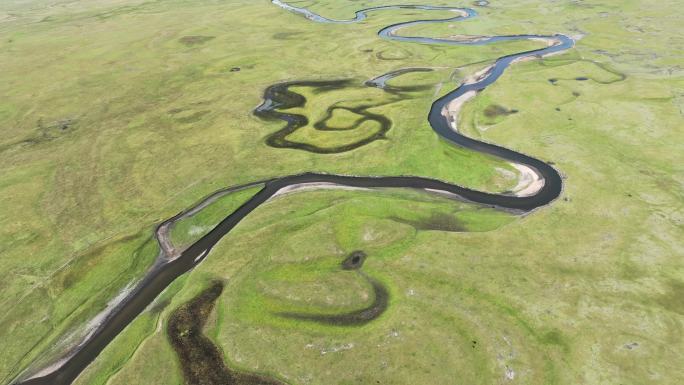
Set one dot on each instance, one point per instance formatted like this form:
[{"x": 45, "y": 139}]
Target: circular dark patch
[{"x": 354, "y": 261}]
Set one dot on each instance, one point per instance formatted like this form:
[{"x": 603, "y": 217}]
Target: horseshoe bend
[{"x": 366, "y": 192}]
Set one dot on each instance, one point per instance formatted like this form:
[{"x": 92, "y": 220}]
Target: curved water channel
[{"x": 442, "y": 118}]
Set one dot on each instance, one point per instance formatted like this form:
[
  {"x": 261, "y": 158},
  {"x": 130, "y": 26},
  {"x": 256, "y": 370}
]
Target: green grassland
[
  {"x": 119, "y": 114},
  {"x": 299, "y": 268},
  {"x": 153, "y": 123},
  {"x": 191, "y": 228}
]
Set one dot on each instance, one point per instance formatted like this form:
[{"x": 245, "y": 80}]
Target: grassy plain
[
  {"x": 191, "y": 228},
  {"x": 114, "y": 120},
  {"x": 118, "y": 114}
]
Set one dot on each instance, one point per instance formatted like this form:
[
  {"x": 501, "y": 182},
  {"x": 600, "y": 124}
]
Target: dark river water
[{"x": 164, "y": 272}]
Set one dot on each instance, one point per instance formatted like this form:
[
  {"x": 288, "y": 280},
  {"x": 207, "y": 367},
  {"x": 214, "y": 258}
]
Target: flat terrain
[{"x": 118, "y": 114}]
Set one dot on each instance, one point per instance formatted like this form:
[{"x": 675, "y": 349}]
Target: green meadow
[{"x": 118, "y": 114}]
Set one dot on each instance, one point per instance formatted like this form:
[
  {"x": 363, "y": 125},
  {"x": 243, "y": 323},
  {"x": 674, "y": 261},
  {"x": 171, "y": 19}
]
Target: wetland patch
[{"x": 201, "y": 360}]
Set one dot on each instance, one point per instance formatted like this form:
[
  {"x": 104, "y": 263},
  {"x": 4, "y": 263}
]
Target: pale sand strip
[
  {"x": 314, "y": 186},
  {"x": 451, "y": 110},
  {"x": 529, "y": 183}
]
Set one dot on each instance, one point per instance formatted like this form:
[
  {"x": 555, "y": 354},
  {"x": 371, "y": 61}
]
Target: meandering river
[{"x": 442, "y": 119}]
